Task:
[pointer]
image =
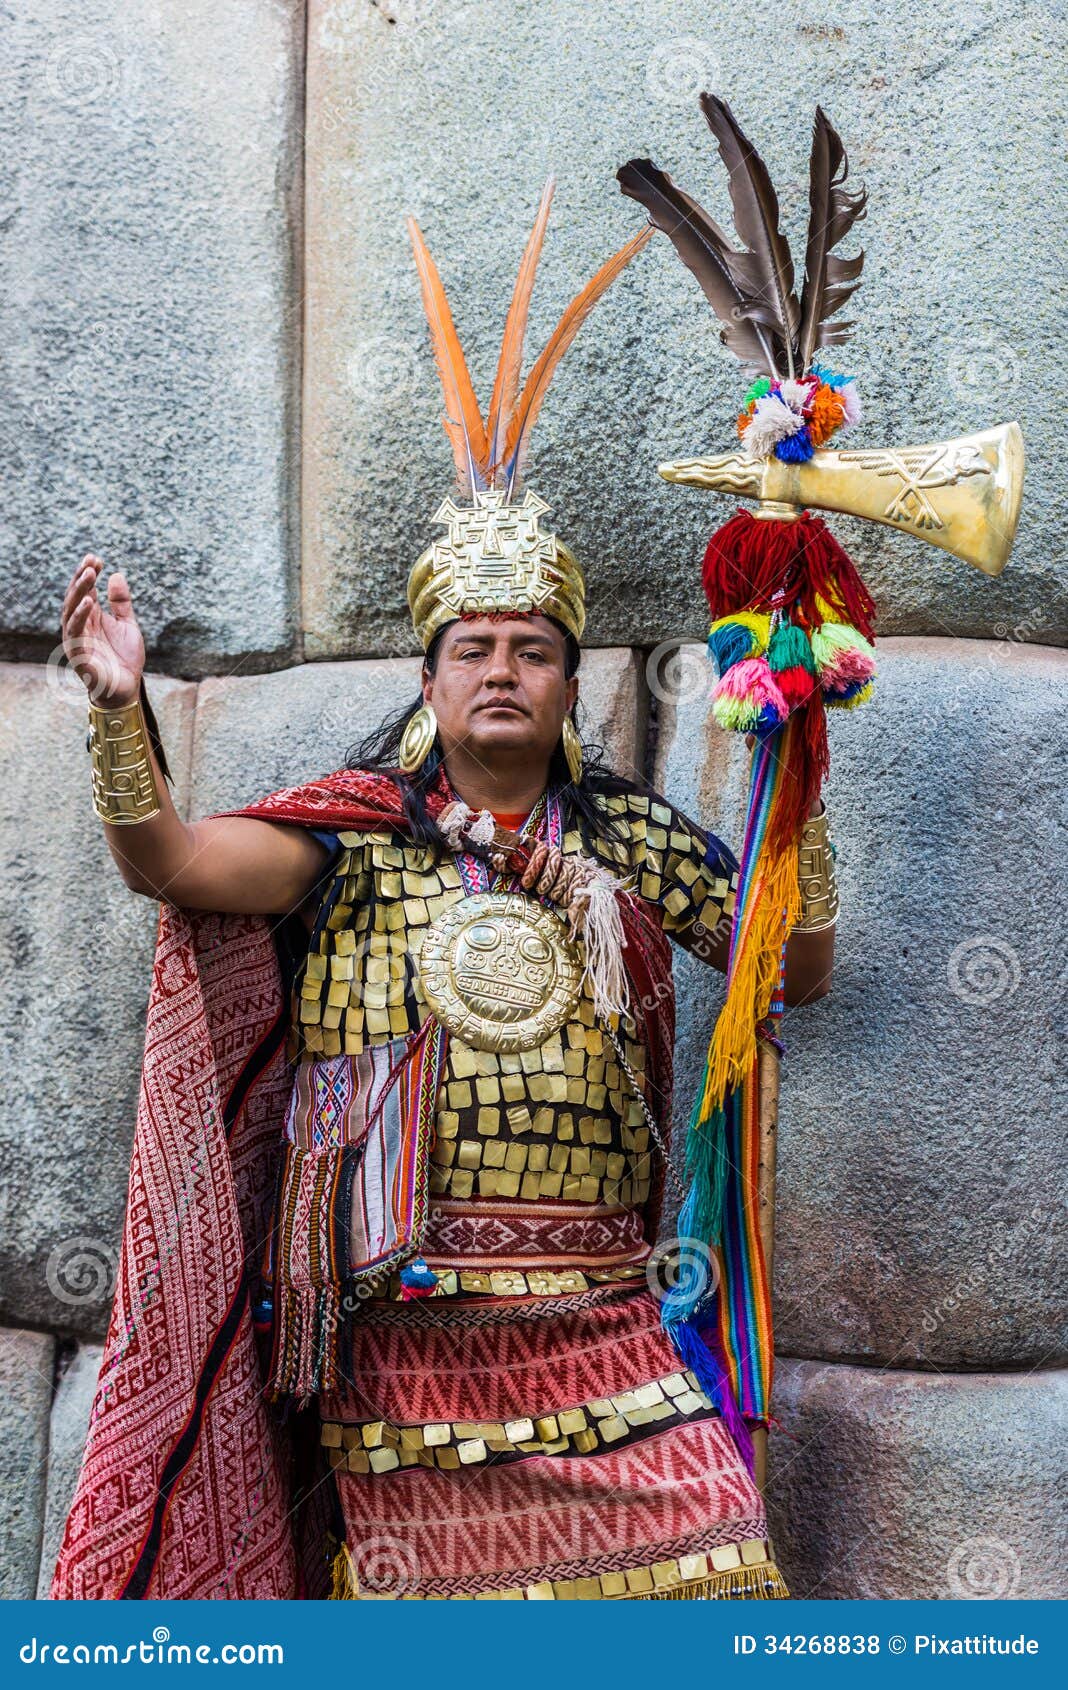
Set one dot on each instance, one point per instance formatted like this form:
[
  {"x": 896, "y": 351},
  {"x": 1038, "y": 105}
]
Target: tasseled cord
[
  {"x": 594, "y": 911},
  {"x": 344, "y": 1585}
]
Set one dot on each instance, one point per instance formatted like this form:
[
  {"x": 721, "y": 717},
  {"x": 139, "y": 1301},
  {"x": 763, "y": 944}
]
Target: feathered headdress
[{"x": 490, "y": 456}]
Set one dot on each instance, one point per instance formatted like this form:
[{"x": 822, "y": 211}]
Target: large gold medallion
[{"x": 500, "y": 971}]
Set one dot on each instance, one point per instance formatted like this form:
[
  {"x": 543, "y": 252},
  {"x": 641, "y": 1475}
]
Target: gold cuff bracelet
[
  {"x": 124, "y": 783},
  {"x": 815, "y": 873}
]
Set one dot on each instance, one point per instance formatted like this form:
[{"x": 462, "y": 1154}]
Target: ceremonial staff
[{"x": 791, "y": 636}]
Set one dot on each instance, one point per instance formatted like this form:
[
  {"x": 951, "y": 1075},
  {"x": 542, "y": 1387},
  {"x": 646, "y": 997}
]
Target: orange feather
[
  {"x": 462, "y": 419},
  {"x": 509, "y": 364},
  {"x": 537, "y": 383}
]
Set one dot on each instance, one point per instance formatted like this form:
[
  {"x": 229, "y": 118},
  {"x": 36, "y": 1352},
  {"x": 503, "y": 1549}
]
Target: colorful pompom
[
  {"x": 849, "y": 665},
  {"x": 417, "y": 1280},
  {"x": 733, "y": 638},
  {"x": 851, "y": 403},
  {"x": 797, "y": 684},
  {"x": 748, "y": 697},
  {"x": 790, "y": 647},
  {"x": 831, "y": 638},
  {"x": 788, "y": 419},
  {"x": 797, "y": 448},
  {"x": 858, "y": 692},
  {"x": 826, "y": 414},
  {"x": 772, "y": 421},
  {"x": 798, "y": 394}
]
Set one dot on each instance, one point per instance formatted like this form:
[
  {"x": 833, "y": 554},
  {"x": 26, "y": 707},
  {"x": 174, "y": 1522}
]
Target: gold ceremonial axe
[{"x": 962, "y": 495}]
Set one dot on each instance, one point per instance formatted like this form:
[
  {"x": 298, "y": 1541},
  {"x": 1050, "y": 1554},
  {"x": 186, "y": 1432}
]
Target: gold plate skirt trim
[
  {"x": 378, "y": 1446},
  {"x": 511, "y": 1282},
  {"x": 734, "y": 1570}
]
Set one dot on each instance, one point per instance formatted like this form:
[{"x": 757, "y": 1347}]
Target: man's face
[{"x": 499, "y": 689}]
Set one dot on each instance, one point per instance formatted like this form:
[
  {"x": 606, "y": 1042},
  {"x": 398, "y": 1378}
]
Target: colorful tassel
[
  {"x": 748, "y": 697},
  {"x": 789, "y": 647},
  {"x": 752, "y": 564},
  {"x": 831, "y": 640},
  {"x": 417, "y": 1280},
  {"x": 796, "y": 448},
  {"x": 732, "y": 638}
]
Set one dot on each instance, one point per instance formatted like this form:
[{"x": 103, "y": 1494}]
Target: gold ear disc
[
  {"x": 572, "y": 750},
  {"x": 417, "y": 740}
]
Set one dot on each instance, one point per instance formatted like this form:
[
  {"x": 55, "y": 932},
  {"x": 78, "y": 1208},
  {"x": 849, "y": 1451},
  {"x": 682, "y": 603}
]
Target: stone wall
[{"x": 216, "y": 374}]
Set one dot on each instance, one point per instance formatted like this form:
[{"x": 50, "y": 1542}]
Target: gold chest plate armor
[{"x": 500, "y": 971}]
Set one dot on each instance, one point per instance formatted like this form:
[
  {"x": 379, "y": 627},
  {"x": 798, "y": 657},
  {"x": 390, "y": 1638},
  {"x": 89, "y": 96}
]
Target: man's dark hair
[{"x": 378, "y": 753}]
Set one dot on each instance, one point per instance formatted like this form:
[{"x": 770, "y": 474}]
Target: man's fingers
[
  {"x": 83, "y": 579},
  {"x": 79, "y": 616},
  {"x": 119, "y": 596}
]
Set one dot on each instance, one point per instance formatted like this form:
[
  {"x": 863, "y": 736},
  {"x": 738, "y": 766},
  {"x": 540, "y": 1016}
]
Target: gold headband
[{"x": 495, "y": 558}]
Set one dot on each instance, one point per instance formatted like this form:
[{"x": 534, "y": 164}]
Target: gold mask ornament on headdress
[{"x": 494, "y": 556}]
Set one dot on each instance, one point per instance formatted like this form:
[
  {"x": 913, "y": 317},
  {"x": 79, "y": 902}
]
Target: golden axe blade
[{"x": 963, "y": 495}]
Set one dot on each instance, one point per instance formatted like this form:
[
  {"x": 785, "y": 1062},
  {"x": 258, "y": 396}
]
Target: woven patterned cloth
[{"x": 192, "y": 1486}]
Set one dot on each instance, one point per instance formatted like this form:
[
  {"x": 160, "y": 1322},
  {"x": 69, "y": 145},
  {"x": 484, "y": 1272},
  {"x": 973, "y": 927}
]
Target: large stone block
[
  {"x": 919, "y": 1211},
  {"x": 399, "y": 122},
  {"x": 911, "y": 1485},
  {"x": 68, "y": 1428},
  {"x": 26, "y": 1364},
  {"x": 150, "y": 316},
  {"x": 262, "y": 732},
  {"x": 75, "y": 967}
]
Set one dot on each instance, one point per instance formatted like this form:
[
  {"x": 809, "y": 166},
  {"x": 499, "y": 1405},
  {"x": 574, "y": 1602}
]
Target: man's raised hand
[{"x": 105, "y": 648}]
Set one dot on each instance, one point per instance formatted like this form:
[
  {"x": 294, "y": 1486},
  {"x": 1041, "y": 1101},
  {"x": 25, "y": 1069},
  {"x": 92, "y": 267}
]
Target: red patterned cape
[{"x": 190, "y": 1485}]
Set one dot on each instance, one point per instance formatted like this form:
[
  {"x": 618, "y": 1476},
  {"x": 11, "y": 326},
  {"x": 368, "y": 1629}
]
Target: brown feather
[
  {"x": 765, "y": 269},
  {"x": 829, "y": 280},
  {"x": 537, "y": 383},
  {"x": 462, "y": 419},
  {"x": 510, "y": 362},
  {"x": 707, "y": 252}
]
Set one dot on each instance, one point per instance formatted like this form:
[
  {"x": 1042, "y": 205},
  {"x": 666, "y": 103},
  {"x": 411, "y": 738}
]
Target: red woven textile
[{"x": 186, "y": 1488}]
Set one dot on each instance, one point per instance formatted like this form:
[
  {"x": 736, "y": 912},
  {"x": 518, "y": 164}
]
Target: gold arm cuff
[
  {"x": 816, "y": 877},
  {"x": 124, "y": 783}
]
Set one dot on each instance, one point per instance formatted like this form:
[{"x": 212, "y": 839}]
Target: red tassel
[
  {"x": 796, "y": 685},
  {"x": 807, "y": 762},
  {"x": 752, "y": 561}
]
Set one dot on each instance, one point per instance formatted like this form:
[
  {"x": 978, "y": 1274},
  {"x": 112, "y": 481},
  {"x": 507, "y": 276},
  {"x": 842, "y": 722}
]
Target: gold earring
[
  {"x": 417, "y": 739},
  {"x": 572, "y": 750}
]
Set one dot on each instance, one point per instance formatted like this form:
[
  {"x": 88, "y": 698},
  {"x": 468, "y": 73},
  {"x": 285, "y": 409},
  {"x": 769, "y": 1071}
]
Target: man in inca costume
[{"x": 390, "y": 1315}]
